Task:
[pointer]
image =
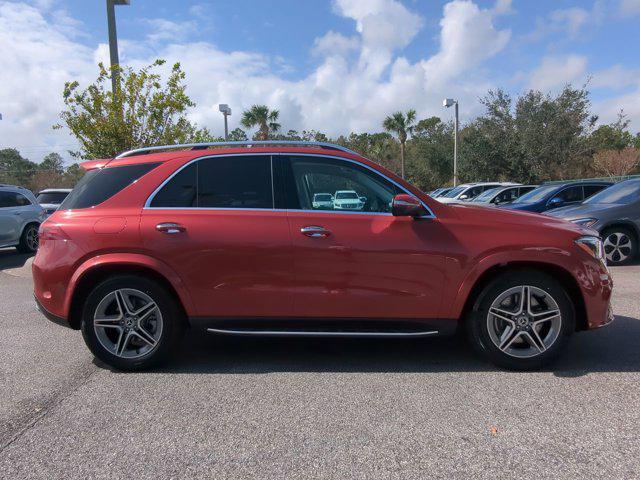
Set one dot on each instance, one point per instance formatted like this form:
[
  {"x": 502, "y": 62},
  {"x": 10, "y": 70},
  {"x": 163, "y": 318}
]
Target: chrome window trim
[{"x": 147, "y": 205}]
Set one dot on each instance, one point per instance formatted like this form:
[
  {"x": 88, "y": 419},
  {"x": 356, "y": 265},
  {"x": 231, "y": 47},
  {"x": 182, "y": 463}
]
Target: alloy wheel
[
  {"x": 128, "y": 323},
  {"x": 617, "y": 247},
  {"x": 32, "y": 238},
  {"x": 524, "y": 321}
]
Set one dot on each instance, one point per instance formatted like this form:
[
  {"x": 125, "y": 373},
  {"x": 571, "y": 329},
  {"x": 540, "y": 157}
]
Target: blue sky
[{"x": 333, "y": 65}]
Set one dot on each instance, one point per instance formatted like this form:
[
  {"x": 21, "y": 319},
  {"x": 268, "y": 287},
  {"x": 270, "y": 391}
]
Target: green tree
[
  {"x": 402, "y": 125},
  {"x": 614, "y": 136},
  {"x": 72, "y": 175},
  {"x": 52, "y": 163},
  {"x": 15, "y": 169},
  {"x": 260, "y": 116},
  {"x": 144, "y": 112},
  {"x": 238, "y": 135},
  {"x": 430, "y": 154}
]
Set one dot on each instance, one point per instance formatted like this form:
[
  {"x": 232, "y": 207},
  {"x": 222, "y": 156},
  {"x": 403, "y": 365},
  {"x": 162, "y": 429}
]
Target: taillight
[{"x": 51, "y": 232}]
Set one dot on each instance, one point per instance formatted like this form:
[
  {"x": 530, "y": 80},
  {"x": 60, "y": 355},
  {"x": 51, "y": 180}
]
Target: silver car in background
[
  {"x": 20, "y": 218},
  {"x": 51, "y": 198}
]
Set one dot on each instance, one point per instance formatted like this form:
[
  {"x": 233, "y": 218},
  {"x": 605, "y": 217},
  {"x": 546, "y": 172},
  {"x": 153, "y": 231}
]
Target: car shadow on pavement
[
  {"x": 10, "y": 258},
  {"x": 611, "y": 349}
]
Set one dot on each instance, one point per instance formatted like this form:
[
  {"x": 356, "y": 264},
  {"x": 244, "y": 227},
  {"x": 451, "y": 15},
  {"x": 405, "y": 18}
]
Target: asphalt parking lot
[{"x": 292, "y": 408}]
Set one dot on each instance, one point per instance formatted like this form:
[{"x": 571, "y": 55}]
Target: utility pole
[
  {"x": 226, "y": 111},
  {"x": 113, "y": 41},
  {"x": 449, "y": 102}
]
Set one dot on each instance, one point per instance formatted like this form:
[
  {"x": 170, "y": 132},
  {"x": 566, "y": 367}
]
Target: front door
[
  {"x": 12, "y": 209},
  {"x": 354, "y": 259},
  {"x": 214, "y": 223}
]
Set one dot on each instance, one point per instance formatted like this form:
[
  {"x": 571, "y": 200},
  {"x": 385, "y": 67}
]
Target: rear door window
[
  {"x": 242, "y": 181},
  {"x": 571, "y": 194},
  {"x": 101, "y": 184}
]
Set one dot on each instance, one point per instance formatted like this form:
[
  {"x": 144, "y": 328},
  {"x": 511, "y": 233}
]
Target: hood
[
  {"x": 583, "y": 210},
  {"x": 516, "y": 218}
]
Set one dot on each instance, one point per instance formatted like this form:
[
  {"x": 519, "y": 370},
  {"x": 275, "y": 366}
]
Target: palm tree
[
  {"x": 402, "y": 125},
  {"x": 265, "y": 120}
]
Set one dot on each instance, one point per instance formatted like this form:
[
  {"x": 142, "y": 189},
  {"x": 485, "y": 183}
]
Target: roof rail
[{"x": 198, "y": 146}]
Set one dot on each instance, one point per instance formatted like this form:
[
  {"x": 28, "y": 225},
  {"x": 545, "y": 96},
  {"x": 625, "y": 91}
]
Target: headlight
[
  {"x": 585, "y": 222},
  {"x": 592, "y": 245}
]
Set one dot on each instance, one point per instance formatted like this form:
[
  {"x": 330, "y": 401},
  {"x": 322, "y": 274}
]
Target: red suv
[{"x": 232, "y": 239}]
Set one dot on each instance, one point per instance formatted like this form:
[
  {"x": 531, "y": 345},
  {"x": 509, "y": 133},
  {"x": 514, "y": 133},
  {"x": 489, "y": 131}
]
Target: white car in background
[
  {"x": 348, "y": 200},
  {"x": 322, "y": 201},
  {"x": 51, "y": 198},
  {"x": 20, "y": 218},
  {"x": 469, "y": 191}
]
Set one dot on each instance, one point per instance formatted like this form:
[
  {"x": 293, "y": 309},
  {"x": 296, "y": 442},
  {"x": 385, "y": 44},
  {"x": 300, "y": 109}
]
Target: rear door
[
  {"x": 215, "y": 224},
  {"x": 14, "y": 212},
  {"x": 364, "y": 262}
]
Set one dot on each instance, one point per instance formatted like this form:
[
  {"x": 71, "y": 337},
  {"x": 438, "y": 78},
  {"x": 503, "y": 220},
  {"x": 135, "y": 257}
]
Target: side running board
[{"x": 320, "y": 333}]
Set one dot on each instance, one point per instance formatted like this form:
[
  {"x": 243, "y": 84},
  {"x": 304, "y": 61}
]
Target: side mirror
[
  {"x": 404, "y": 205},
  {"x": 463, "y": 197},
  {"x": 363, "y": 199},
  {"x": 556, "y": 202}
]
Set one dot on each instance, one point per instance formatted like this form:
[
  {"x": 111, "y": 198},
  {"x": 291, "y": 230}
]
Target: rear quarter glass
[{"x": 101, "y": 184}]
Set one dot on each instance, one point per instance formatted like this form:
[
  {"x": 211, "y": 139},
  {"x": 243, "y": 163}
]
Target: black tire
[
  {"x": 171, "y": 316},
  {"x": 29, "y": 239},
  {"x": 478, "y": 321},
  {"x": 621, "y": 234}
]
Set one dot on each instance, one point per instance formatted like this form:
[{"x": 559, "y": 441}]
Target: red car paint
[{"x": 257, "y": 264}]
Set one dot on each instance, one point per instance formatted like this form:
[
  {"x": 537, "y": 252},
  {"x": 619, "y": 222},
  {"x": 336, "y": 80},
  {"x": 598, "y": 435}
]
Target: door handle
[
  {"x": 170, "y": 228},
  {"x": 315, "y": 231}
]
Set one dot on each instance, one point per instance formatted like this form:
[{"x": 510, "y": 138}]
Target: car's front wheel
[
  {"x": 521, "y": 320},
  {"x": 131, "y": 322},
  {"x": 620, "y": 245}
]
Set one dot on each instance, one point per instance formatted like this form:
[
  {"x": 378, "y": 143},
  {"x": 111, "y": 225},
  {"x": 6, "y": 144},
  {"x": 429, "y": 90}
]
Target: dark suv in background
[
  {"x": 615, "y": 213},
  {"x": 556, "y": 195}
]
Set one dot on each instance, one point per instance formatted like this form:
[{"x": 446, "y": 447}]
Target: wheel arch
[
  {"x": 96, "y": 273},
  {"x": 628, "y": 224},
  {"x": 559, "y": 273}
]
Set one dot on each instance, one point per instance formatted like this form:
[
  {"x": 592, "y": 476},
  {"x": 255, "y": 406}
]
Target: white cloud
[
  {"x": 555, "y": 72},
  {"x": 571, "y": 20},
  {"x": 334, "y": 43},
  {"x": 616, "y": 77},
  {"x": 629, "y": 7},
  {"x": 168, "y": 30},
  {"x": 467, "y": 38}
]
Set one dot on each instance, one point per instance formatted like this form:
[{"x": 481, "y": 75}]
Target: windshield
[
  {"x": 455, "y": 192},
  {"x": 346, "y": 195},
  {"x": 487, "y": 195},
  {"x": 621, "y": 193},
  {"x": 322, "y": 197},
  {"x": 55, "y": 198},
  {"x": 536, "y": 194}
]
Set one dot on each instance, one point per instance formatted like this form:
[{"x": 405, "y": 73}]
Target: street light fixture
[
  {"x": 226, "y": 111},
  {"x": 113, "y": 40},
  {"x": 450, "y": 102}
]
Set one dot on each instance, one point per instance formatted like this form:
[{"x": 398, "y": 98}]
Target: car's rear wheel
[
  {"x": 521, "y": 320},
  {"x": 131, "y": 322},
  {"x": 620, "y": 245},
  {"x": 29, "y": 239}
]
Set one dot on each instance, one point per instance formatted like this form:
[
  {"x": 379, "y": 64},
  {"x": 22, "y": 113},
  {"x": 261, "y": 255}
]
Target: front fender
[
  {"x": 554, "y": 257},
  {"x": 129, "y": 259}
]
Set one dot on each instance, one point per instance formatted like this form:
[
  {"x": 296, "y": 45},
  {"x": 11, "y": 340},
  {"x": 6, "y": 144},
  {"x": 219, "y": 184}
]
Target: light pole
[
  {"x": 449, "y": 102},
  {"x": 113, "y": 40},
  {"x": 226, "y": 111}
]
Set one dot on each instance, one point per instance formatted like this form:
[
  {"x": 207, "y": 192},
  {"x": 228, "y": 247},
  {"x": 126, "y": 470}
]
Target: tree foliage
[
  {"x": 145, "y": 111},
  {"x": 616, "y": 163},
  {"x": 260, "y": 116},
  {"x": 402, "y": 125}
]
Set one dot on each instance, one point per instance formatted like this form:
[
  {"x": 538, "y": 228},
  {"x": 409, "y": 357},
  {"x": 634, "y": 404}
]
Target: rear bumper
[{"x": 50, "y": 316}]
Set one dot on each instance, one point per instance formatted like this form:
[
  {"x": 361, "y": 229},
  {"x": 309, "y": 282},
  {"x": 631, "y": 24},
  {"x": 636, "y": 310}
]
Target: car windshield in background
[
  {"x": 622, "y": 193},
  {"x": 488, "y": 195},
  {"x": 455, "y": 192},
  {"x": 536, "y": 194},
  {"x": 54, "y": 198},
  {"x": 322, "y": 198},
  {"x": 346, "y": 195}
]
